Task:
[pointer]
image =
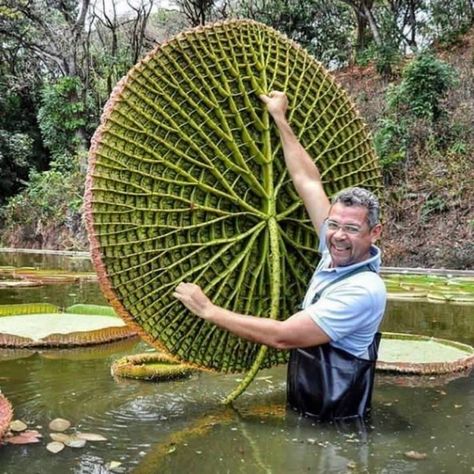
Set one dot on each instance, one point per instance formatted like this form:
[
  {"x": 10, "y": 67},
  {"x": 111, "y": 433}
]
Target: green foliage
[
  {"x": 62, "y": 116},
  {"x": 425, "y": 81},
  {"x": 50, "y": 200},
  {"x": 20, "y": 147},
  {"x": 390, "y": 142},
  {"x": 384, "y": 57},
  {"x": 448, "y": 20},
  {"x": 433, "y": 205},
  {"x": 323, "y": 28}
]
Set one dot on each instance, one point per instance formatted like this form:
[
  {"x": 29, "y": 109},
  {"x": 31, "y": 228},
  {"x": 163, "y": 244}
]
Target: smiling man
[{"x": 333, "y": 339}]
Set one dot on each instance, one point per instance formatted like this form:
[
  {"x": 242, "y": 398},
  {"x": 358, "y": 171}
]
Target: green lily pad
[
  {"x": 51, "y": 329},
  {"x": 416, "y": 354},
  {"x": 154, "y": 366},
  {"x": 32, "y": 276},
  {"x": 59, "y": 329},
  {"x": 436, "y": 288}
]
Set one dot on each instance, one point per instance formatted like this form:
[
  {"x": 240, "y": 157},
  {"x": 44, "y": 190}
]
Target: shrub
[
  {"x": 48, "y": 211},
  {"x": 425, "y": 81},
  {"x": 390, "y": 142}
]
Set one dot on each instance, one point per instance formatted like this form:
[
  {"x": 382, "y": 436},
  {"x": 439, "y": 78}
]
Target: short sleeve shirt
[{"x": 349, "y": 311}]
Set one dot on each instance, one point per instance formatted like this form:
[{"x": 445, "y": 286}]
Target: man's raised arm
[{"x": 304, "y": 173}]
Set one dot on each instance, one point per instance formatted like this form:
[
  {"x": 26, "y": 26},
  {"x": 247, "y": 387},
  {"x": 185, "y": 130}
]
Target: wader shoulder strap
[
  {"x": 327, "y": 383},
  {"x": 363, "y": 268}
]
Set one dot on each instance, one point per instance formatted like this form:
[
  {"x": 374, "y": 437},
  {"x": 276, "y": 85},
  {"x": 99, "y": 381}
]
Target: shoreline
[{"x": 384, "y": 270}]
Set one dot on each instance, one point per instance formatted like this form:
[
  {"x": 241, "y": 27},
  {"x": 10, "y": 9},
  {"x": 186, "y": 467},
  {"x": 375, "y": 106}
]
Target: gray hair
[{"x": 360, "y": 197}]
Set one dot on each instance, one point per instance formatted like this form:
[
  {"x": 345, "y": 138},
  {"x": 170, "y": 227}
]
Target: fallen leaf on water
[
  {"x": 351, "y": 465},
  {"x": 55, "y": 447},
  {"x": 60, "y": 437},
  {"x": 18, "y": 425},
  {"x": 27, "y": 437},
  {"x": 59, "y": 424},
  {"x": 91, "y": 436},
  {"x": 74, "y": 442},
  {"x": 415, "y": 455}
]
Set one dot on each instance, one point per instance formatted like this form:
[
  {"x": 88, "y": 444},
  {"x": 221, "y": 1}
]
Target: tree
[{"x": 321, "y": 26}]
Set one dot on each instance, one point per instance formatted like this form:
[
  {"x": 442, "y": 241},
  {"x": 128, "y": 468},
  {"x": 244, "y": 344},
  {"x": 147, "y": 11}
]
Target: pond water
[{"x": 182, "y": 427}]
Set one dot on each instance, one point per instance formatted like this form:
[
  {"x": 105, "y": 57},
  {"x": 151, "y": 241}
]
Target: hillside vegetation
[
  {"x": 429, "y": 190},
  {"x": 61, "y": 60}
]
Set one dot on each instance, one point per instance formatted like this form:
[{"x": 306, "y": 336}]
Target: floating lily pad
[
  {"x": 27, "y": 308},
  {"x": 150, "y": 366},
  {"x": 33, "y": 276},
  {"x": 58, "y": 329},
  {"x": 6, "y": 415},
  {"x": 436, "y": 288},
  {"x": 415, "y": 354}
]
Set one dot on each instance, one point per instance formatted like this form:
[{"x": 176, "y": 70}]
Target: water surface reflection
[{"x": 180, "y": 426}]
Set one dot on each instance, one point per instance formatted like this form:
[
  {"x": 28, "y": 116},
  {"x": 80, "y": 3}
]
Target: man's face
[{"x": 349, "y": 237}]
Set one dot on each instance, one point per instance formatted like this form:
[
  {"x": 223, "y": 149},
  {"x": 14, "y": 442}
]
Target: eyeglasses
[{"x": 346, "y": 228}]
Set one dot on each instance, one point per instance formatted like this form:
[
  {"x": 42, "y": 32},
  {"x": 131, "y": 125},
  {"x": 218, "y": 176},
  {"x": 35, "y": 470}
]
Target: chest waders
[{"x": 328, "y": 383}]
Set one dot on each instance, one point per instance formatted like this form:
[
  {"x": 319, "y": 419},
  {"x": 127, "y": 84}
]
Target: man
[{"x": 332, "y": 364}]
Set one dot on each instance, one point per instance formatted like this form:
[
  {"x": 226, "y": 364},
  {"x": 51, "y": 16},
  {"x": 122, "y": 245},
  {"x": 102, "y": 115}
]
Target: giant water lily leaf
[
  {"x": 60, "y": 329},
  {"x": 187, "y": 182},
  {"x": 154, "y": 366},
  {"x": 27, "y": 308},
  {"x": 32, "y": 276},
  {"x": 440, "y": 288},
  {"x": 417, "y": 354},
  {"x": 43, "y": 325}
]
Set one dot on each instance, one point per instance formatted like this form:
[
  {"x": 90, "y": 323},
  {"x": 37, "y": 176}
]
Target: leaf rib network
[{"x": 187, "y": 182}]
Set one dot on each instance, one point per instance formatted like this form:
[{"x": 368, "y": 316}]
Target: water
[{"x": 181, "y": 426}]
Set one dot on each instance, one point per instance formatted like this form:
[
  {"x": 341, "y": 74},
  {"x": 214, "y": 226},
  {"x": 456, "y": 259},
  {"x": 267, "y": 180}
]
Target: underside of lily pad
[
  {"x": 154, "y": 366},
  {"x": 187, "y": 182},
  {"x": 6, "y": 415},
  {"x": 415, "y": 354},
  {"x": 44, "y": 325}
]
